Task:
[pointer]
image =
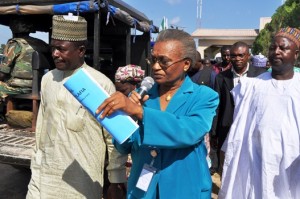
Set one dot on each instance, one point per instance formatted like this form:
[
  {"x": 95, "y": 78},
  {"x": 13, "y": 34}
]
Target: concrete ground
[{"x": 13, "y": 181}]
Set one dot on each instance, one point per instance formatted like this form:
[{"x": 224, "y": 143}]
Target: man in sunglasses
[{"x": 225, "y": 81}]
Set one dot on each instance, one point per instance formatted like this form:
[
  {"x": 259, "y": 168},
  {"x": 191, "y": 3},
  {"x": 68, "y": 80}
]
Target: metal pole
[{"x": 96, "y": 46}]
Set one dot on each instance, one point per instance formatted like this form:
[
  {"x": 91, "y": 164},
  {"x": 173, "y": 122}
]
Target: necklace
[
  {"x": 168, "y": 98},
  {"x": 169, "y": 95}
]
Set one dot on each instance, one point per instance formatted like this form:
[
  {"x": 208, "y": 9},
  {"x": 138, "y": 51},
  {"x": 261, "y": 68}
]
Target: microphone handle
[{"x": 142, "y": 92}]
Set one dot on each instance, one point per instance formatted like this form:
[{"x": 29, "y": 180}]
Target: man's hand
[{"x": 116, "y": 191}]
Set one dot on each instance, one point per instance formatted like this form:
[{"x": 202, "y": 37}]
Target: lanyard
[{"x": 153, "y": 153}]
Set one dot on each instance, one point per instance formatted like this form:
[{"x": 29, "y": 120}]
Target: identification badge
[{"x": 145, "y": 177}]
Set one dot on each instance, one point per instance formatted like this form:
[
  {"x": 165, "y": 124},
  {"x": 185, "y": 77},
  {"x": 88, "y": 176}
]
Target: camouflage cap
[{"x": 69, "y": 28}]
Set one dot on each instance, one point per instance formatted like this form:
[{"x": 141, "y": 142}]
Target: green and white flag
[{"x": 164, "y": 24}]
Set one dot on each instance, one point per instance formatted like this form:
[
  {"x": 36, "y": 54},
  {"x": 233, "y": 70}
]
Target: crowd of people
[
  {"x": 239, "y": 117},
  {"x": 241, "y": 127}
]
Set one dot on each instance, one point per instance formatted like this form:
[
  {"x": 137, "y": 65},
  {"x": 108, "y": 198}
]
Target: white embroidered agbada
[{"x": 262, "y": 158}]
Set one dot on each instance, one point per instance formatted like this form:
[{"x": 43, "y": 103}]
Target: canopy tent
[
  {"x": 109, "y": 27},
  {"x": 76, "y": 8}
]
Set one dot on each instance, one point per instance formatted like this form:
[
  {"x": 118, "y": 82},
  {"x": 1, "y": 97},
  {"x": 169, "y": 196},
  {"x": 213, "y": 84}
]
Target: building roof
[{"x": 225, "y": 33}]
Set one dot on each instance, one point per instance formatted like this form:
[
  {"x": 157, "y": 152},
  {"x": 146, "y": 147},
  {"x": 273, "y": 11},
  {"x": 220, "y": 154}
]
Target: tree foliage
[{"x": 286, "y": 15}]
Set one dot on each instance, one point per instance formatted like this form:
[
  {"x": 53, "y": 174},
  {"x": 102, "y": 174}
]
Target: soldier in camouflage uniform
[{"x": 16, "y": 69}]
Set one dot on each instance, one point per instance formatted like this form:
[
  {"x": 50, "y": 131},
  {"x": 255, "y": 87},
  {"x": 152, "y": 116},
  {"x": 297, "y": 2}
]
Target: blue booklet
[{"x": 90, "y": 94}]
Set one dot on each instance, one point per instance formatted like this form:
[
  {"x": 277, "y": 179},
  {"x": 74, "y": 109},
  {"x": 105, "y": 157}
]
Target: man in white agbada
[{"x": 263, "y": 146}]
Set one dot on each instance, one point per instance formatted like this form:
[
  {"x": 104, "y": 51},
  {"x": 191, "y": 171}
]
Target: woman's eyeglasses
[{"x": 163, "y": 62}]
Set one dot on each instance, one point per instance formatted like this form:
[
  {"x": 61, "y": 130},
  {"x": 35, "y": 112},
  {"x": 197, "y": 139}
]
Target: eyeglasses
[
  {"x": 240, "y": 56},
  {"x": 163, "y": 61}
]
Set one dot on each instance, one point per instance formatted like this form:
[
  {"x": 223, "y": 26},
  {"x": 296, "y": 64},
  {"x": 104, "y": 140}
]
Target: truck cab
[{"x": 118, "y": 34}]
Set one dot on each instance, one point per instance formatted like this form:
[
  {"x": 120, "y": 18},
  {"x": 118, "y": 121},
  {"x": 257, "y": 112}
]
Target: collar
[
  {"x": 240, "y": 75},
  {"x": 186, "y": 87},
  {"x": 229, "y": 66},
  {"x": 68, "y": 73},
  {"x": 221, "y": 68},
  {"x": 181, "y": 96}
]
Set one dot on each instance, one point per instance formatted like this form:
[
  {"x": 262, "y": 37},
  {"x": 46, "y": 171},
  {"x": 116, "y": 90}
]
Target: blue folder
[{"x": 90, "y": 94}]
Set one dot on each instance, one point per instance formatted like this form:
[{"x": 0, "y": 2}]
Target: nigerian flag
[{"x": 164, "y": 24}]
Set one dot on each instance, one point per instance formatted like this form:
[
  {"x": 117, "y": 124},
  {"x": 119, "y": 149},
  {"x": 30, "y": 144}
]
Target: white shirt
[{"x": 237, "y": 76}]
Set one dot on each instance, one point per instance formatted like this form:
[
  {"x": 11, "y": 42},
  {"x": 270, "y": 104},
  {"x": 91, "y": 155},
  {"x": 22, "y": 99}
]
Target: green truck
[{"x": 118, "y": 35}]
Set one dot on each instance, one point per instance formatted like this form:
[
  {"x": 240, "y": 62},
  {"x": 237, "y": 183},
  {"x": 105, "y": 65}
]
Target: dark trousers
[
  {"x": 214, "y": 158},
  {"x": 221, "y": 135}
]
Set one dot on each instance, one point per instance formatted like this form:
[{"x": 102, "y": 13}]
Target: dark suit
[
  {"x": 223, "y": 85},
  {"x": 206, "y": 77}
]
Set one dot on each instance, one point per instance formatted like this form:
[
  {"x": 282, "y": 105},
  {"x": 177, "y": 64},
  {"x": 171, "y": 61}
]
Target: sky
[{"x": 216, "y": 14}]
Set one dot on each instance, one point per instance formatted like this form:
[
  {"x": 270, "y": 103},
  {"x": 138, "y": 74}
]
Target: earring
[{"x": 186, "y": 68}]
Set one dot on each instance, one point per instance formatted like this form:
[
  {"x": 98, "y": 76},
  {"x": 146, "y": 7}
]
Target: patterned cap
[
  {"x": 290, "y": 33},
  {"x": 129, "y": 73},
  {"x": 259, "y": 60},
  {"x": 69, "y": 28}
]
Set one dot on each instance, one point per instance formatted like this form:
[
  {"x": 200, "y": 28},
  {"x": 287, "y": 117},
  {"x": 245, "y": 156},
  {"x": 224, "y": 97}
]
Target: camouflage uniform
[{"x": 17, "y": 65}]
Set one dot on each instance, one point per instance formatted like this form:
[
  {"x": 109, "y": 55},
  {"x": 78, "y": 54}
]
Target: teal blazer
[{"x": 177, "y": 135}]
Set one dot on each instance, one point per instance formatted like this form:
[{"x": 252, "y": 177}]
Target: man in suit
[
  {"x": 225, "y": 81},
  {"x": 205, "y": 74}
]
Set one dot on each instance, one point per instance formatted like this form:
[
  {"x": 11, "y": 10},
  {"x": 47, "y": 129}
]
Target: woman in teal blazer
[{"x": 174, "y": 117}]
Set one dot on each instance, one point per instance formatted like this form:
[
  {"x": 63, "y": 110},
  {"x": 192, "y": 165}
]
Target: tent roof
[
  {"x": 41, "y": 12},
  {"x": 117, "y": 3},
  {"x": 33, "y": 2}
]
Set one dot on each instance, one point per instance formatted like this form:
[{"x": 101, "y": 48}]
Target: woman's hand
[
  {"x": 136, "y": 98},
  {"x": 118, "y": 101}
]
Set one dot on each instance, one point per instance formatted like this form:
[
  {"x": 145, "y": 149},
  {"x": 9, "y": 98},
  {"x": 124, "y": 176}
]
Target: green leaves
[{"x": 286, "y": 15}]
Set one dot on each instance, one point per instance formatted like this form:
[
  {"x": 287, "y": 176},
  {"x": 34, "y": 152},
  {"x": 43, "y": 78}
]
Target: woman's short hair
[{"x": 188, "y": 44}]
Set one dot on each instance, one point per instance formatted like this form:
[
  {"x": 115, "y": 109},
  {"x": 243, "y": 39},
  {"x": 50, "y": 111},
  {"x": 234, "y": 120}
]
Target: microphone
[{"x": 146, "y": 85}]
